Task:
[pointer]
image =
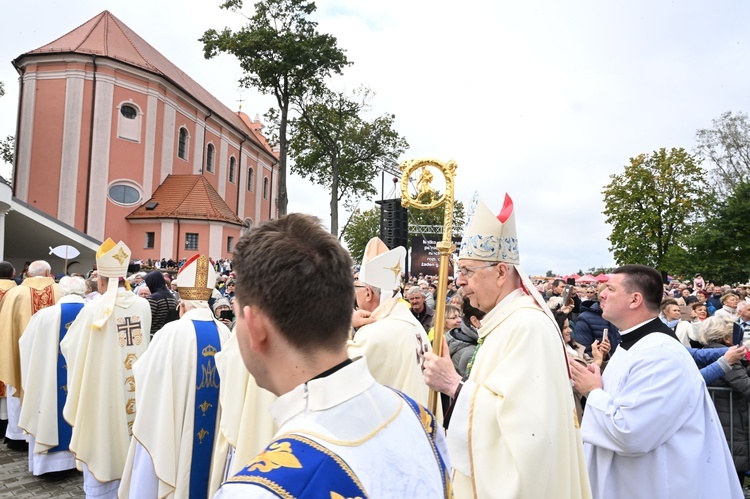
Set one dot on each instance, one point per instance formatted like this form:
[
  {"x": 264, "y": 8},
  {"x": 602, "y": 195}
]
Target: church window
[
  {"x": 129, "y": 122},
  {"x": 124, "y": 193},
  {"x": 250, "y": 179},
  {"x": 191, "y": 241},
  {"x": 265, "y": 187},
  {"x": 182, "y": 145},
  {"x": 230, "y": 244},
  {"x": 150, "y": 240},
  {"x": 232, "y": 169},
  {"x": 210, "y": 154}
]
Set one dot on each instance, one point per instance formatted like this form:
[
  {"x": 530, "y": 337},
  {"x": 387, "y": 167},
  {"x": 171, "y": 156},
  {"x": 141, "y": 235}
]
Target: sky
[{"x": 541, "y": 99}]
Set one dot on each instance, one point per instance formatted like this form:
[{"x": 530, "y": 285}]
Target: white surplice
[
  {"x": 369, "y": 426},
  {"x": 653, "y": 431}
]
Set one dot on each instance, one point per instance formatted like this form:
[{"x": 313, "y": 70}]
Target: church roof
[
  {"x": 106, "y": 36},
  {"x": 187, "y": 197}
]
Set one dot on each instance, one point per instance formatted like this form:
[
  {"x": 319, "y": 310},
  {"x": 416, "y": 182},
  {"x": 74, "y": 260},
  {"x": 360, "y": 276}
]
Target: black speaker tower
[{"x": 394, "y": 223}]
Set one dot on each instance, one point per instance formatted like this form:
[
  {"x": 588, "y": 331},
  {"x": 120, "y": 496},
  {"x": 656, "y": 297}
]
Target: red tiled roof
[
  {"x": 106, "y": 36},
  {"x": 189, "y": 197}
]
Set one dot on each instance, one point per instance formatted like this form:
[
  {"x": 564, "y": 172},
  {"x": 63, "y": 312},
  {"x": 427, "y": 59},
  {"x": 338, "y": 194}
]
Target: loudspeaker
[{"x": 394, "y": 223}]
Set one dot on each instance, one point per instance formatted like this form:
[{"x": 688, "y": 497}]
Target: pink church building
[{"x": 116, "y": 141}]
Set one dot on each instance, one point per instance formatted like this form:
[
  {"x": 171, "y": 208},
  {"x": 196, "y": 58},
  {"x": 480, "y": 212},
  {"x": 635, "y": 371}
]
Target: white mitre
[
  {"x": 493, "y": 238},
  {"x": 196, "y": 279},
  {"x": 382, "y": 267},
  {"x": 112, "y": 262}
]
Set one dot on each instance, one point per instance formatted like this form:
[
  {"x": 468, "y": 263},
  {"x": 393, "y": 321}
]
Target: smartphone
[
  {"x": 604, "y": 334},
  {"x": 566, "y": 294},
  {"x": 227, "y": 314}
]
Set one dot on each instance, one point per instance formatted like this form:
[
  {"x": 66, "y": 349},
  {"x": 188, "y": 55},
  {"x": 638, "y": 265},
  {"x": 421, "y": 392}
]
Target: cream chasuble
[
  {"x": 513, "y": 433},
  {"x": 394, "y": 346},
  {"x": 18, "y": 305},
  {"x": 5, "y": 285},
  {"x": 245, "y": 425},
  {"x": 101, "y": 387},
  {"x": 165, "y": 379}
]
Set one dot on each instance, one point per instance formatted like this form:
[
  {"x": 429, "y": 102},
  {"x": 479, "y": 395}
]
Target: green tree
[
  {"x": 335, "y": 147},
  {"x": 436, "y": 216},
  {"x": 363, "y": 226},
  {"x": 719, "y": 248},
  {"x": 652, "y": 206},
  {"x": 7, "y": 145},
  {"x": 727, "y": 148},
  {"x": 549, "y": 274},
  {"x": 281, "y": 53}
]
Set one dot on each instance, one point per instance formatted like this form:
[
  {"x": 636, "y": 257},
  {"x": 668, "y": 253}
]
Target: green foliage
[
  {"x": 7, "y": 147},
  {"x": 335, "y": 147},
  {"x": 549, "y": 274},
  {"x": 281, "y": 53},
  {"x": 364, "y": 225},
  {"x": 727, "y": 147},
  {"x": 652, "y": 206},
  {"x": 719, "y": 248}
]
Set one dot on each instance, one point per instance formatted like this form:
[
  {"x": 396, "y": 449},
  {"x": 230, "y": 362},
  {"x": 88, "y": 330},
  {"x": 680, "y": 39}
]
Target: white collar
[
  {"x": 323, "y": 393},
  {"x": 509, "y": 298},
  {"x": 630, "y": 330}
]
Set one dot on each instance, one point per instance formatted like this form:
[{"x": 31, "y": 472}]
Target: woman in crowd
[
  {"x": 732, "y": 407},
  {"x": 462, "y": 340},
  {"x": 728, "y": 309},
  {"x": 223, "y": 305},
  {"x": 699, "y": 314}
]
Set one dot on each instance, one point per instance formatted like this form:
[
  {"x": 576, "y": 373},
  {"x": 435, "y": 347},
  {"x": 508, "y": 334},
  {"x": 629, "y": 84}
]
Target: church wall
[
  {"x": 83, "y": 153},
  {"x": 44, "y": 171}
]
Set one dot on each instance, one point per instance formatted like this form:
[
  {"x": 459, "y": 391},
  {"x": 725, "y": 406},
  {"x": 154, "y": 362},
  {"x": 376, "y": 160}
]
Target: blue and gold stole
[
  {"x": 206, "y": 406},
  {"x": 430, "y": 427},
  {"x": 294, "y": 466},
  {"x": 68, "y": 313}
]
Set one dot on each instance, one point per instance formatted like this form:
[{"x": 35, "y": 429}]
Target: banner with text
[{"x": 425, "y": 257}]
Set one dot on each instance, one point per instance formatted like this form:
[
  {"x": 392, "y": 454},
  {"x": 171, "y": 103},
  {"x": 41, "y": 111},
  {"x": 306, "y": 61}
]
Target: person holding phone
[{"x": 223, "y": 312}]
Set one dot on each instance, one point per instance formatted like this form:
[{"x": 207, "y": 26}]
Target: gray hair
[
  {"x": 72, "y": 286},
  {"x": 39, "y": 268},
  {"x": 742, "y": 305},
  {"x": 415, "y": 290},
  {"x": 715, "y": 329}
]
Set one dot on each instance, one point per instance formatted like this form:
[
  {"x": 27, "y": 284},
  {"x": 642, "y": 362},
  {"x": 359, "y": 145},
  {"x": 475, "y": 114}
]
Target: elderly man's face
[{"x": 417, "y": 302}]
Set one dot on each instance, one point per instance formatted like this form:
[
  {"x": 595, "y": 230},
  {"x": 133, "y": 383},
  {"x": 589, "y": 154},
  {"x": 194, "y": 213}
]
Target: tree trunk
[
  {"x": 335, "y": 197},
  {"x": 282, "y": 201}
]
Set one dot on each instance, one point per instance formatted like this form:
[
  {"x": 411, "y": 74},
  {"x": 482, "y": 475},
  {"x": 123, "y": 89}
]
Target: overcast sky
[{"x": 540, "y": 99}]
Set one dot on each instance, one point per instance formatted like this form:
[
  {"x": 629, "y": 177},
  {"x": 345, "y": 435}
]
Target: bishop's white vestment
[
  {"x": 39, "y": 347},
  {"x": 653, "y": 431},
  {"x": 513, "y": 432},
  {"x": 159, "y": 459},
  {"x": 368, "y": 425},
  {"x": 394, "y": 347},
  {"x": 101, "y": 386}
]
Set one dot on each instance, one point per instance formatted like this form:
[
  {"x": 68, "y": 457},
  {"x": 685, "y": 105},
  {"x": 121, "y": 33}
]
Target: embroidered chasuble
[{"x": 101, "y": 402}]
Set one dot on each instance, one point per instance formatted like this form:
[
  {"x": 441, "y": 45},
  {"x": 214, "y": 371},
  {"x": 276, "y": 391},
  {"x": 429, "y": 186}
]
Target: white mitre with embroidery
[
  {"x": 382, "y": 267},
  {"x": 493, "y": 238},
  {"x": 112, "y": 262},
  {"x": 196, "y": 279}
]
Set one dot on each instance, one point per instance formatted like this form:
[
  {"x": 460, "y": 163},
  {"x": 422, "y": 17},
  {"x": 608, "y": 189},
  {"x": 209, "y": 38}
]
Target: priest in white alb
[
  {"x": 177, "y": 395},
  {"x": 44, "y": 379}
]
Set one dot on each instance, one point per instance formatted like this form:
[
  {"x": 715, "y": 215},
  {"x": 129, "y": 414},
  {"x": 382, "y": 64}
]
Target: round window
[
  {"x": 124, "y": 194},
  {"x": 128, "y": 111}
]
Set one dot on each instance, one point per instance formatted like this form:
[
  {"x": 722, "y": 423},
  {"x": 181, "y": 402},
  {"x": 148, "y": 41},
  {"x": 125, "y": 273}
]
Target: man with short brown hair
[{"x": 341, "y": 433}]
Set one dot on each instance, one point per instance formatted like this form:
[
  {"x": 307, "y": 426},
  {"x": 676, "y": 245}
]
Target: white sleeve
[{"x": 144, "y": 482}]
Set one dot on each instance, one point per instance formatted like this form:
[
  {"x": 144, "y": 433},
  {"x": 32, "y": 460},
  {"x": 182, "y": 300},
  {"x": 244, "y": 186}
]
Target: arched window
[
  {"x": 129, "y": 122},
  {"x": 210, "y": 153},
  {"x": 183, "y": 142},
  {"x": 250, "y": 179},
  {"x": 265, "y": 187},
  {"x": 232, "y": 169}
]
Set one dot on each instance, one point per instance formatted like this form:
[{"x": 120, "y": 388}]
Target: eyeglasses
[{"x": 469, "y": 271}]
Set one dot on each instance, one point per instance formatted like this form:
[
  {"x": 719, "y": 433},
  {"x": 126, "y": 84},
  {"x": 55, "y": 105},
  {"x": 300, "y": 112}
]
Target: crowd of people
[{"x": 289, "y": 371}]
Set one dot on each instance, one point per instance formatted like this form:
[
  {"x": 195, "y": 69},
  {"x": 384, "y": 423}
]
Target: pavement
[{"x": 16, "y": 481}]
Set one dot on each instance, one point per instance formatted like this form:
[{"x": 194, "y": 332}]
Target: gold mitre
[
  {"x": 382, "y": 267},
  {"x": 196, "y": 279},
  {"x": 488, "y": 237},
  {"x": 112, "y": 259}
]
